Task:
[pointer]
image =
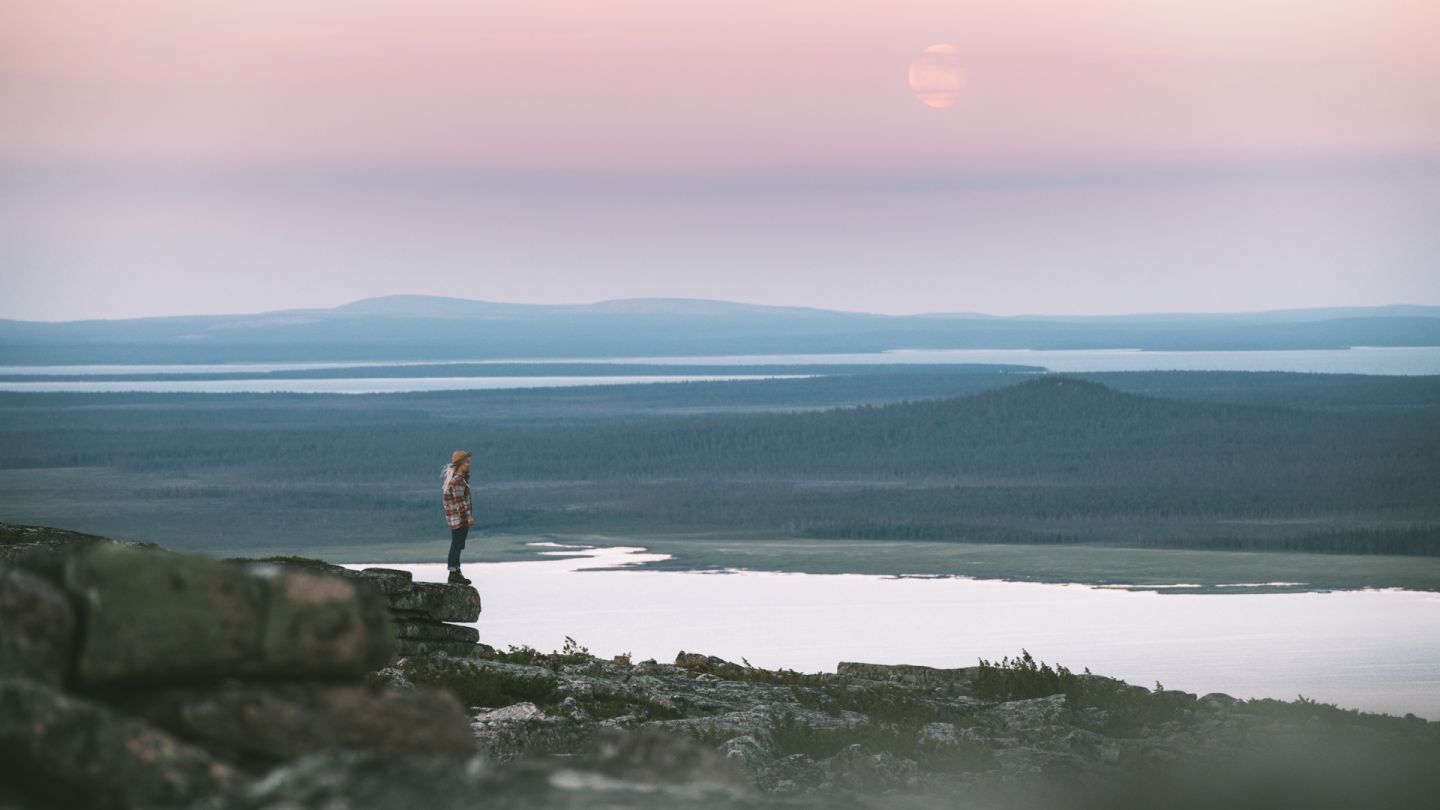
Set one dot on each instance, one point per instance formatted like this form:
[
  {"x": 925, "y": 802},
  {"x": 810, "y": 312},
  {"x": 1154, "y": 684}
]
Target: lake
[
  {"x": 1371, "y": 650},
  {"x": 364, "y": 385},
  {"x": 1408, "y": 361}
]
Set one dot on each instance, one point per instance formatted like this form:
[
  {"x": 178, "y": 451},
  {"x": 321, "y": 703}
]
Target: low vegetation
[
  {"x": 1048, "y": 461},
  {"x": 479, "y": 686}
]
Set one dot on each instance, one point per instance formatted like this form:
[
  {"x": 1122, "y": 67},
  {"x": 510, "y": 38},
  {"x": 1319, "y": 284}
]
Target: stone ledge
[{"x": 434, "y": 600}]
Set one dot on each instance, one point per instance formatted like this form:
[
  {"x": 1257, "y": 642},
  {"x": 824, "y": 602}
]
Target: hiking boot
[{"x": 457, "y": 578}]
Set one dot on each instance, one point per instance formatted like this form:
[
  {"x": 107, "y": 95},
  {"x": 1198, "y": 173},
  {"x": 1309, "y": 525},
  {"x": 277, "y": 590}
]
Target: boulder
[
  {"x": 37, "y": 628},
  {"x": 153, "y": 616},
  {"x": 1218, "y": 700},
  {"x": 506, "y": 734},
  {"x": 67, "y": 752},
  {"x": 278, "y": 722},
  {"x": 1028, "y": 715},
  {"x": 439, "y": 601}
]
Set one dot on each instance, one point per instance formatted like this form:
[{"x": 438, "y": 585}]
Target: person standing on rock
[{"x": 457, "y": 510}]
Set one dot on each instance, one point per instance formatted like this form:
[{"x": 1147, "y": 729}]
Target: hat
[{"x": 459, "y": 456}]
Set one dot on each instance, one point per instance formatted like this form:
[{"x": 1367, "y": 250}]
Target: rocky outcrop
[
  {"x": 422, "y": 612},
  {"x": 155, "y": 616},
  {"x": 135, "y": 677},
  {"x": 894, "y": 736}
]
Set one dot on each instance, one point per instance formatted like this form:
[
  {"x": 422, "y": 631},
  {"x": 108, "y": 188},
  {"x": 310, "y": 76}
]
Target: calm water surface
[
  {"x": 374, "y": 385},
  {"x": 1413, "y": 360},
  {"x": 1369, "y": 650}
]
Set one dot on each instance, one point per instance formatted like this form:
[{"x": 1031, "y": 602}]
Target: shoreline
[{"x": 1157, "y": 570}]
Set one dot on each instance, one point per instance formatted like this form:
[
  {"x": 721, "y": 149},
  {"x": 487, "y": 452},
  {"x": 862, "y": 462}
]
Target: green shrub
[
  {"x": 1020, "y": 679},
  {"x": 523, "y": 654},
  {"x": 1127, "y": 708},
  {"x": 571, "y": 653}
]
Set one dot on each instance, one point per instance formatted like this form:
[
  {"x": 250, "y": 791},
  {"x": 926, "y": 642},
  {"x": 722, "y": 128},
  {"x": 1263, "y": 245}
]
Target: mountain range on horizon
[
  {"x": 418, "y": 327},
  {"x": 435, "y": 306}
]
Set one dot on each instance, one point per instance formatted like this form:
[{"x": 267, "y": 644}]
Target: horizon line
[{"x": 736, "y": 303}]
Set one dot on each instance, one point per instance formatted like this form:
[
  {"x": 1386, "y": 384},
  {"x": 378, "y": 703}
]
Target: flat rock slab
[
  {"x": 280, "y": 722},
  {"x": 156, "y": 617},
  {"x": 62, "y": 751},
  {"x": 37, "y": 628},
  {"x": 910, "y": 675},
  {"x": 439, "y": 601},
  {"x": 391, "y": 581},
  {"x": 421, "y": 630},
  {"x": 409, "y": 648}
]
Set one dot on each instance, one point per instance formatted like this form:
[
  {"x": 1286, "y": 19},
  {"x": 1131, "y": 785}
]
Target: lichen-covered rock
[
  {"x": 939, "y": 734},
  {"x": 1018, "y": 716},
  {"x": 439, "y": 601},
  {"x": 408, "y": 647},
  {"x": 510, "y": 714},
  {"x": 421, "y": 630},
  {"x": 64, "y": 751},
  {"x": 276, "y": 722},
  {"x": 37, "y": 628},
  {"x": 390, "y": 581},
  {"x": 156, "y": 617},
  {"x": 854, "y": 768},
  {"x": 39, "y": 544},
  {"x": 637, "y": 771},
  {"x": 910, "y": 675},
  {"x": 503, "y": 738}
]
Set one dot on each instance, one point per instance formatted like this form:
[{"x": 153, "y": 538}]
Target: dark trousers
[{"x": 457, "y": 544}]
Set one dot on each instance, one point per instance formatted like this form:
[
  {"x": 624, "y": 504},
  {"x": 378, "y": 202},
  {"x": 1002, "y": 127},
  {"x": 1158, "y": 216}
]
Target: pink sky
[
  {"x": 672, "y": 85},
  {"x": 181, "y": 156}
]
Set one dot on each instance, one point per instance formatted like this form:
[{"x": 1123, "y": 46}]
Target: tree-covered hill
[{"x": 1050, "y": 459}]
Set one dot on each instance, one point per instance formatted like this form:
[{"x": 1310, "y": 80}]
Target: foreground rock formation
[
  {"x": 132, "y": 677},
  {"x": 135, "y": 677}
]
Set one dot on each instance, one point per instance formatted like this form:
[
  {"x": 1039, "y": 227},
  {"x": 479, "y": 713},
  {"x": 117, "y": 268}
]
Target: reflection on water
[{"x": 1371, "y": 650}]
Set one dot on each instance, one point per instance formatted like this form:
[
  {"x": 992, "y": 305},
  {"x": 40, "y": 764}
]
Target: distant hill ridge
[
  {"x": 412, "y": 327},
  {"x": 1030, "y": 421}
]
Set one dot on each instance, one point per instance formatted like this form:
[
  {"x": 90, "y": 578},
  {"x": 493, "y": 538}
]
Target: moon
[{"x": 936, "y": 77}]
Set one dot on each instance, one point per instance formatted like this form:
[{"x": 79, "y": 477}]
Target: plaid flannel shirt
[{"x": 457, "y": 501}]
